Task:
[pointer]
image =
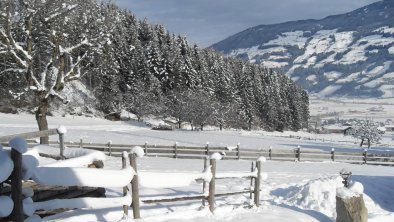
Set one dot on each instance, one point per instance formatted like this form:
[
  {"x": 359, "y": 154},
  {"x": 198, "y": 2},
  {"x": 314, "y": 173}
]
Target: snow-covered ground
[{"x": 292, "y": 191}]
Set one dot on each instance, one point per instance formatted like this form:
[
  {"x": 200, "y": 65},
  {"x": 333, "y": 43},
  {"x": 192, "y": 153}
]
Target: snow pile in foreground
[
  {"x": 6, "y": 165},
  {"x": 318, "y": 195}
]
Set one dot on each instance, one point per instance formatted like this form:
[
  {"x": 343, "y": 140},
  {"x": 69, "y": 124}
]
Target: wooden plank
[{"x": 29, "y": 135}]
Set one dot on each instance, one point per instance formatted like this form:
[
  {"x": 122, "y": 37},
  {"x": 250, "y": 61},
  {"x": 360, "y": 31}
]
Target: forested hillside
[{"x": 123, "y": 63}]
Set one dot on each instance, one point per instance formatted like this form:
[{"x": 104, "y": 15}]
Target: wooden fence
[
  {"x": 237, "y": 152},
  {"x": 15, "y": 179}
]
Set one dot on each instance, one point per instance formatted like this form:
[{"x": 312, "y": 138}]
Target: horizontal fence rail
[{"x": 234, "y": 153}]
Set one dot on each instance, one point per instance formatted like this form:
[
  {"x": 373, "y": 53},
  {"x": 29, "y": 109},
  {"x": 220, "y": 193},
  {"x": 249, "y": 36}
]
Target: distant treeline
[{"x": 132, "y": 65}]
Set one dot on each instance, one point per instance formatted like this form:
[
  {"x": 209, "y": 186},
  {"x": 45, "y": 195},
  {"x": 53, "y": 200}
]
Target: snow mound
[
  {"x": 262, "y": 159},
  {"x": 6, "y": 165},
  {"x": 354, "y": 190},
  {"x": 357, "y": 187},
  {"x": 77, "y": 157},
  {"x": 216, "y": 156},
  {"x": 138, "y": 151},
  {"x": 18, "y": 144},
  {"x": 61, "y": 130},
  {"x": 6, "y": 206},
  {"x": 319, "y": 195}
]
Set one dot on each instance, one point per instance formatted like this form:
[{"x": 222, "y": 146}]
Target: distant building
[
  {"x": 389, "y": 128},
  {"x": 335, "y": 129}
]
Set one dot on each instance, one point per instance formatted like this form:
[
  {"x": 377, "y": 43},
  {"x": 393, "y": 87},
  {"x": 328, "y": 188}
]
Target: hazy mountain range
[{"x": 350, "y": 54}]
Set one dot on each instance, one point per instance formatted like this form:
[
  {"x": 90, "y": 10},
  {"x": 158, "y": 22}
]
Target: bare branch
[
  {"x": 72, "y": 74},
  {"x": 44, "y": 73},
  {"x": 13, "y": 70}
]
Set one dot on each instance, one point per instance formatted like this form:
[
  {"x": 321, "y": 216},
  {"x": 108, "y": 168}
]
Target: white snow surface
[
  {"x": 62, "y": 130},
  {"x": 18, "y": 144},
  {"x": 216, "y": 156},
  {"x": 7, "y": 205},
  {"x": 6, "y": 165},
  {"x": 302, "y": 191},
  {"x": 67, "y": 176},
  {"x": 138, "y": 151}
]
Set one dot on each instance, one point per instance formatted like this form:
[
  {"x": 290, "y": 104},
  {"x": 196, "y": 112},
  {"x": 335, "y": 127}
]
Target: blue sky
[{"x": 208, "y": 21}]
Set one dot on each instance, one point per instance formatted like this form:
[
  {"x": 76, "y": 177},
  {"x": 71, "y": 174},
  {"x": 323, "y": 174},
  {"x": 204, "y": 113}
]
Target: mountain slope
[{"x": 350, "y": 54}]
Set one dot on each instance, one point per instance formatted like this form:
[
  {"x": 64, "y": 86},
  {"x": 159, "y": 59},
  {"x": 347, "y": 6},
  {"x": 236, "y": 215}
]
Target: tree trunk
[
  {"x": 179, "y": 124},
  {"x": 41, "y": 117},
  {"x": 221, "y": 127},
  {"x": 362, "y": 141},
  {"x": 202, "y": 127},
  {"x": 369, "y": 143}
]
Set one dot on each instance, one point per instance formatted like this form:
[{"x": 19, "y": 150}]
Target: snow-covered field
[{"x": 292, "y": 191}]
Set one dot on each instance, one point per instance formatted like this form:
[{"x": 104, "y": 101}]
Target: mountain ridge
[{"x": 354, "y": 48}]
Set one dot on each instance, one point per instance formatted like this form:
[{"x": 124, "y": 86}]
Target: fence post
[
  {"x": 176, "y": 150},
  {"x": 61, "y": 130},
  {"x": 146, "y": 148},
  {"x": 204, "y": 184},
  {"x": 109, "y": 144},
  {"x": 251, "y": 182},
  {"x": 134, "y": 188},
  {"x": 257, "y": 184},
  {"x": 238, "y": 152},
  {"x": 333, "y": 155},
  {"x": 298, "y": 153},
  {"x": 18, "y": 146},
  {"x": 211, "y": 197},
  {"x": 80, "y": 143},
  {"x": 207, "y": 149},
  {"x": 61, "y": 145},
  {"x": 125, "y": 207},
  {"x": 365, "y": 156},
  {"x": 270, "y": 153}
]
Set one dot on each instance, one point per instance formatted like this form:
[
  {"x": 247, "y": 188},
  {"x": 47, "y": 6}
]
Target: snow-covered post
[
  {"x": 238, "y": 152},
  {"x": 19, "y": 146},
  {"x": 176, "y": 150},
  {"x": 109, "y": 144},
  {"x": 257, "y": 181},
  {"x": 124, "y": 159},
  {"x": 61, "y": 130},
  {"x": 365, "y": 156},
  {"x": 333, "y": 155},
  {"x": 80, "y": 143},
  {"x": 135, "y": 152},
  {"x": 211, "y": 197},
  {"x": 270, "y": 153}
]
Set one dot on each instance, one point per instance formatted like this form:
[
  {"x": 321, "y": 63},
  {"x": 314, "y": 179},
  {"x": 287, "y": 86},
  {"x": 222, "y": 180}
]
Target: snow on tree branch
[{"x": 60, "y": 13}]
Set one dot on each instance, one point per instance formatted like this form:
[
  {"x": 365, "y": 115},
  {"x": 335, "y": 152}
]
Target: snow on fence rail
[{"x": 19, "y": 164}]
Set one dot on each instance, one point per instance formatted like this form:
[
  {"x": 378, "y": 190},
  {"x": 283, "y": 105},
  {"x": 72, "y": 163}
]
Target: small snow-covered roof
[{"x": 335, "y": 127}]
